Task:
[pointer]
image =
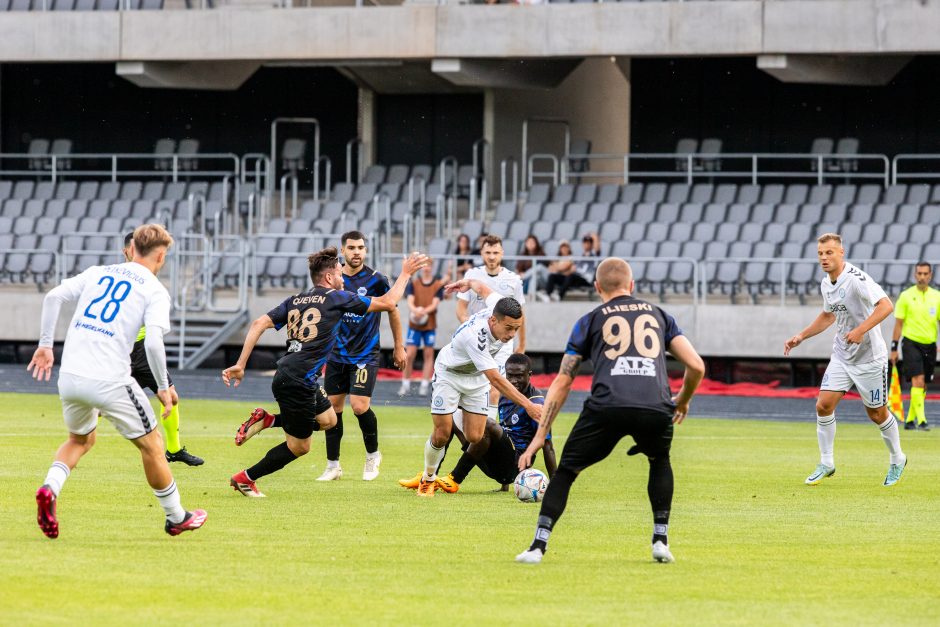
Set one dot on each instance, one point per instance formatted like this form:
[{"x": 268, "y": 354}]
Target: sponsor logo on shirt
[
  {"x": 634, "y": 366},
  {"x": 839, "y": 307},
  {"x": 294, "y": 346}
]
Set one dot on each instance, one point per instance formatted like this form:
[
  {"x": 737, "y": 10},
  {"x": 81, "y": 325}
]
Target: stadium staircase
[{"x": 193, "y": 339}]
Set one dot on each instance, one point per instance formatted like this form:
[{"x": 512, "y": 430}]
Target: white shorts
[
  {"x": 870, "y": 380},
  {"x": 125, "y": 405},
  {"x": 451, "y": 391}
]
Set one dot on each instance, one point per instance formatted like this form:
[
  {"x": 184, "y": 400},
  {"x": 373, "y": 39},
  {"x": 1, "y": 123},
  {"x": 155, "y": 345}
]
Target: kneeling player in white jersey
[
  {"x": 505, "y": 283},
  {"x": 113, "y": 303},
  {"x": 857, "y": 305},
  {"x": 463, "y": 373}
]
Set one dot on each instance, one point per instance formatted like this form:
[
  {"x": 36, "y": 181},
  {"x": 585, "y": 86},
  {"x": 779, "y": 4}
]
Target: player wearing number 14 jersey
[
  {"x": 112, "y": 304},
  {"x": 311, "y": 318}
]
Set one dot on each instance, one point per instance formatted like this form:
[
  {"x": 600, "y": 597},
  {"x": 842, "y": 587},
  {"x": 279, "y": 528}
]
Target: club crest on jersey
[
  {"x": 841, "y": 292},
  {"x": 825, "y": 379},
  {"x": 362, "y": 291},
  {"x": 504, "y": 286},
  {"x": 438, "y": 401},
  {"x": 514, "y": 419},
  {"x": 634, "y": 366}
]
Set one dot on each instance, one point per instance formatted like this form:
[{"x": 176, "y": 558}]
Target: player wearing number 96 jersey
[
  {"x": 311, "y": 319},
  {"x": 626, "y": 339},
  {"x": 113, "y": 303}
]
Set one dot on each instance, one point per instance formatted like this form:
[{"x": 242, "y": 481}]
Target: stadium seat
[
  {"x": 820, "y": 194},
  {"x": 610, "y": 193},
  {"x": 725, "y": 193},
  {"x": 585, "y": 193},
  {"x": 398, "y": 173},
  {"x": 574, "y": 213},
  {"x": 538, "y": 193},
  {"x": 691, "y": 213},
  {"x": 562, "y": 194},
  {"x": 702, "y": 193},
  {"x": 611, "y": 231},
  {"x": 631, "y": 193},
  {"x": 678, "y": 193},
  {"x": 552, "y": 211}
]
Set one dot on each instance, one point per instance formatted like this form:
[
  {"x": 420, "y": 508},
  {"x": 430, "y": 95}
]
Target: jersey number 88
[{"x": 303, "y": 326}]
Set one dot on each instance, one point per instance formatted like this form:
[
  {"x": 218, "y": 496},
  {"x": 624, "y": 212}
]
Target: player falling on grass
[
  {"x": 352, "y": 366},
  {"x": 857, "y": 305},
  {"x": 143, "y": 375},
  {"x": 505, "y": 283},
  {"x": 113, "y": 303},
  {"x": 463, "y": 373},
  {"x": 626, "y": 339},
  {"x": 504, "y": 442},
  {"x": 311, "y": 318}
]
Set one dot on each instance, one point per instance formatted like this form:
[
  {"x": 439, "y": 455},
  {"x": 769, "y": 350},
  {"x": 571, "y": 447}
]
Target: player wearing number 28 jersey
[
  {"x": 311, "y": 318},
  {"x": 112, "y": 304}
]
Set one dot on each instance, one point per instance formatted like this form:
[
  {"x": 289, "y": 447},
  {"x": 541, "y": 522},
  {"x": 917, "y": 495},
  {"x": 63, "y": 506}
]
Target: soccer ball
[
  {"x": 530, "y": 485},
  {"x": 419, "y": 320}
]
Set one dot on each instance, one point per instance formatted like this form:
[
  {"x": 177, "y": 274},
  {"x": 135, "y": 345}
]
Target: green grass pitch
[{"x": 754, "y": 546}]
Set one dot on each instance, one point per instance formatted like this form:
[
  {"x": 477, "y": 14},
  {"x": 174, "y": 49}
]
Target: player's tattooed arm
[
  {"x": 554, "y": 401},
  {"x": 570, "y": 365}
]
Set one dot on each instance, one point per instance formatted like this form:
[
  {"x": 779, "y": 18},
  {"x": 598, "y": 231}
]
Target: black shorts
[
  {"x": 140, "y": 369},
  {"x": 300, "y": 405},
  {"x": 918, "y": 359},
  {"x": 597, "y": 432},
  {"x": 500, "y": 463},
  {"x": 350, "y": 379}
]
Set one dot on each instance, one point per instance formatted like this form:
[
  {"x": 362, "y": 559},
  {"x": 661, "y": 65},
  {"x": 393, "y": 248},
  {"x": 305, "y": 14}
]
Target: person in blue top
[
  {"x": 505, "y": 441},
  {"x": 352, "y": 366},
  {"x": 311, "y": 318}
]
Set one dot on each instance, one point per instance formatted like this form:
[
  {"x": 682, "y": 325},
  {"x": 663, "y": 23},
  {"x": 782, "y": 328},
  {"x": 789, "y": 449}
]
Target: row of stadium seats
[
  {"x": 110, "y": 190},
  {"x": 79, "y": 5}
]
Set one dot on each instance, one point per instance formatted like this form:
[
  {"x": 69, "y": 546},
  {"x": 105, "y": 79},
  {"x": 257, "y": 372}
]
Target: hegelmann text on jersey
[
  {"x": 90, "y": 327},
  {"x": 634, "y": 366}
]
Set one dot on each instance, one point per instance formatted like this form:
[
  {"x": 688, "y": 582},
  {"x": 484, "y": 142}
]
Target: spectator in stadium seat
[
  {"x": 526, "y": 269},
  {"x": 463, "y": 248},
  {"x": 566, "y": 274}
]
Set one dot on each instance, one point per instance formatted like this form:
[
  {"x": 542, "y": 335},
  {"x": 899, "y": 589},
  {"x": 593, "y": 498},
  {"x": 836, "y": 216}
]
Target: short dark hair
[
  {"x": 348, "y": 235},
  {"x": 322, "y": 262},
  {"x": 128, "y": 239},
  {"x": 921, "y": 264},
  {"x": 491, "y": 240},
  {"x": 507, "y": 306},
  {"x": 519, "y": 359}
]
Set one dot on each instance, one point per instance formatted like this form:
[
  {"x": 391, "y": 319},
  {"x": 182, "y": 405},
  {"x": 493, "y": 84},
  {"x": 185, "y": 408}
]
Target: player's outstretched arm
[
  {"x": 465, "y": 285},
  {"x": 883, "y": 309},
  {"x": 389, "y": 300},
  {"x": 554, "y": 400},
  {"x": 682, "y": 349},
  {"x": 237, "y": 372},
  {"x": 68, "y": 291},
  {"x": 508, "y": 390},
  {"x": 822, "y": 322}
]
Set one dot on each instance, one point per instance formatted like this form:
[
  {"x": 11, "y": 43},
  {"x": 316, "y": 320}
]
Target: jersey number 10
[
  {"x": 618, "y": 335},
  {"x": 115, "y": 293}
]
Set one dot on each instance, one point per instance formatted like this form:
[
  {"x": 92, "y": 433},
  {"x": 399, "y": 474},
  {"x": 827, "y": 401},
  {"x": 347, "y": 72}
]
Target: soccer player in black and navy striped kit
[
  {"x": 354, "y": 362},
  {"x": 626, "y": 339}
]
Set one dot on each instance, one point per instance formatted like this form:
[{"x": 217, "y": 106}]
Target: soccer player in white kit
[
  {"x": 113, "y": 303},
  {"x": 857, "y": 305},
  {"x": 505, "y": 283},
  {"x": 464, "y": 371}
]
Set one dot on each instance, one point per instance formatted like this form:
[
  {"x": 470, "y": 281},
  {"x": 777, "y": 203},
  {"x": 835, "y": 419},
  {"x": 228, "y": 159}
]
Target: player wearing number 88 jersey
[{"x": 311, "y": 318}]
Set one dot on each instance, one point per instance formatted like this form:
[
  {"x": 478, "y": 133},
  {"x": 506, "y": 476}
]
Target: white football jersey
[
  {"x": 473, "y": 347},
  {"x": 506, "y": 283},
  {"x": 114, "y": 302},
  {"x": 852, "y": 298}
]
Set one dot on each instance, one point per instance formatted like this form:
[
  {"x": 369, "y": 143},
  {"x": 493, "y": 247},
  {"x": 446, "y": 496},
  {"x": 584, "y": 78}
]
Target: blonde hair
[
  {"x": 830, "y": 237},
  {"x": 613, "y": 274},
  {"x": 147, "y": 237}
]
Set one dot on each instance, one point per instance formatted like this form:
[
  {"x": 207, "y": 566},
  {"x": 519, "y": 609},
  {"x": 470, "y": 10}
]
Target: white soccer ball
[
  {"x": 419, "y": 320},
  {"x": 530, "y": 485}
]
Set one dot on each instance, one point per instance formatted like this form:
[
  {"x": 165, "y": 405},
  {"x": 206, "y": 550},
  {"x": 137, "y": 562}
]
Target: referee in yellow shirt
[{"x": 916, "y": 314}]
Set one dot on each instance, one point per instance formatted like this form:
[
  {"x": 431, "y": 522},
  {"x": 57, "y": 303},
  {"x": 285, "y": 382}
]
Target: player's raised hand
[
  {"x": 414, "y": 262},
  {"x": 792, "y": 343},
  {"x": 41, "y": 363},
  {"x": 461, "y": 286},
  {"x": 233, "y": 375}
]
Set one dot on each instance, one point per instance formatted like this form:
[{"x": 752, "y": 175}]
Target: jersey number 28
[
  {"x": 618, "y": 335},
  {"x": 115, "y": 293}
]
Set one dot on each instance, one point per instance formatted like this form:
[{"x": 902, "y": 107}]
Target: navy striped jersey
[
  {"x": 311, "y": 318},
  {"x": 516, "y": 422},
  {"x": 626, "y": 339},
  {"x": 357, "y": 340}
]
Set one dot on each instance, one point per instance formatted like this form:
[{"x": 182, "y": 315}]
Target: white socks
[
  {"x": 492, "y": 412},
  {"x": 55, "y": 478},
  {"x": 826, "y": 434},
  {"x": 432, "y": 459},
  {"x": 332, "y": 463},
  {"x": 892, "y": 438},
  {"x": 169, "y": 498}
]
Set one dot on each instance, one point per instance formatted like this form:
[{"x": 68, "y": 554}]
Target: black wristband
[{"x": 894, "y": 345}]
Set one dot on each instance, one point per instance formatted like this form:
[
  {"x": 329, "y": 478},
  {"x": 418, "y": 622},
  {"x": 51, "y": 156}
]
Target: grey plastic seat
[
  {"x": 598, "y": 212},
  {"x": 762, "y": 213},
  {"x": 575, "y": 212},
  {"x": 861, "y": 213},
  {"x": 728, "y": 232},
  {"x": 365, "y": 192},
  {"x": 499, "y": 229},
  {"x": 585, "y": 228},
  {"x": 645, "y": 248},
  {"x": 530, "y": 212},
  {"x": 691, "y": 212},
  {"x": 564, "y": 230},
  {"x": 44, "y": 190},
  {"x": 55, "y": 209},
  {"x": 111, "y": 190},
  {"x": 654, "y": 193},
  {"x": 374, "y": 174},
  {"x": 738, "y": 212},
  {"x": 34, "y": 208},
  {"x": 680, "y": 232},
  {"x": 920, "y": 234},
  {"x": 518, "y": 230},
  {"x": 343, "y": 192},
  {"x": 621, "y": 212},
  {"x": 634, "y": 231},
  {"x": 896, "y": 234},
  {"x": 631, "y": 193},
  {"x": 709, "y": 146},
  {"x": 678, "y": 193},
  {"x": 869, "y": 194},
  {"x": 894, "y": 194},
  {"x": 834, "y": 213},
  {"x": 775, "y": 232},
  {"x": 185, "y": 149},
  {"x": 715, "y": 213},
  {"x": 771, "y": 194},
  {"x": 552, "y": 211},
  {"x": 542, "y": 230},
  {"x": 585, "y": 193},
  {"x": 749, "y": 194},
  {"x": 85, "y": 5},
  {"x": 611, "y": 231},
  {"x": 796, "y": 194},
  {"x": 394, "y": 190},
  {"x": 512, "y": 246},
  {"x": 704, "y": 232},
  {"x": 786, "y": 213},
  {"x": 505, "y": 212},
  {"x": 122, "y": 208},
  {"x": 538, "y": 193},
  {"x": 13, "y": 207},
  {"x": 884, "y": 213},
  {"x": 799, "y": 232},
  {"x": 908, "y": 213},
  {"x": 563, "y": 193},
  {"x": 88, "y": 225},
  {"x": 99, "y": 209},
  {"x": 23, "y": 225},
  {"x": 931, "y": 252},
  {"x": 23, "y": 190},
  {"x": 644, "y": 212},
  {"x": 66, "y": 190},
  {"x": 397, "y": 173},
  {"x": 622, "y": 249},
  {"x": 751, "y": 232},
  {"x": 725, "y": 193},
  {"x": 610, "y": 193},
  {"x": 809, "y": 214},
  {"x": 846, "y": 194},
  {"x": 6, "y": 189},
  {"x": 701, "y": 193},
  {"x": 657, "y": 231},
  {"x": 820, "y": 194},
  {"x": 918, "y": 194},
  {"x": 423, "y": 172},
  {"x": 667, "y": 212}
]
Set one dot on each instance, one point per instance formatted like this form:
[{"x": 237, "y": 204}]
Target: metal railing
[
  {"x": 356, "y": 143},
  {"x": 928, "y": 170},
  {"x": 316, "y": 144},
  {"x": 503, "y": 165},
  {"x": 525, "y": 138},
  {"x": 120, "y": 165}
]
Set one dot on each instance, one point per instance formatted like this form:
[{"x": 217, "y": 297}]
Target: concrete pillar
[
  {"x": 594, "y": 99},
  {"x": 366, "y": 126}
]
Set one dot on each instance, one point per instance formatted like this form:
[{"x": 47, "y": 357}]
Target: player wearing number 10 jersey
[
  {"x": 311, "y": 318},
  {"x": 112, "y": 304},
  {"x": 626, "y": 339}
]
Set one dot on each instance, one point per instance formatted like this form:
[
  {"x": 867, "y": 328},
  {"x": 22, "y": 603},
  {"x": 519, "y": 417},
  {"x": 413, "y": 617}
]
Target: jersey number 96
[{"x": 618, "y": 335}]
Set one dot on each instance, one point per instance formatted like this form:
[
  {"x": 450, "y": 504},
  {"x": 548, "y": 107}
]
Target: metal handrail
[
  {"x": 525, "y": 137},
  {"x": 897, "y": 175},
  {"x": 515, "y": 179},
  {"x": 316, "y": 178},
  {"x": 542, "y": 157},
  {"x": 57, "y": 262},
  {"x": 355, "y": 141},
  {"x": 291, "y": 120},
  {"x": 115, "y": 159},
  {"x": 482, "y": 167},
  {"x": 442, "y": 174},
  {"x": 289, "y": 176},
  {"x": 262, "y": 170},
  {"x": 380, "y": 196}
]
